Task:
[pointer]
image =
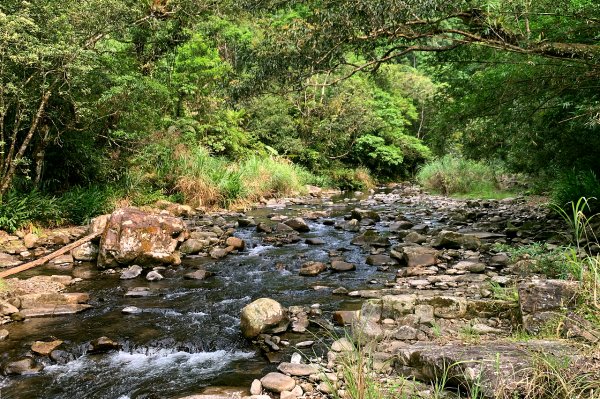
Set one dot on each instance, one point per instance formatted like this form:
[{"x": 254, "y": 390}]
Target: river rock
[
  {"x": 277, "y": 382},
  {"x": 360, "y": 214},
  {"x": 133, "y": 236},
  {"x": 419, "y": 256},
  {"x": 372, "y": 238},
  {"x": 30, "y": 240},
  {"x": 103, "y": 344},
  {"x": 199, "y": 274},
  {"x": 453, "y": 240},
  {"x": 379, "y": 260},
  {"x": 138, "y": 292},
  {"x": 297, "y": 369},
  {"x": 7, "y": 260},
  {"x": 341, "y": 266},
  {"x": 86, "y": 252},
  {"x": 24, "y": 366},
  {"x": 4, "y": 334},
  {"x": 298, "y": 224},
  {"x": 263, "y": 316},
  {"x": 218, "y": 253},
  {"x": 193, "y": 246},
  {"x": 263, "y": 228},
  {"x": 345, "y": 317},
  {"x": 236, "y": 243},
  {"x": 154, "y": 276},
  {"x": 256, "y": 387},
  {"x": 314, "y": 241},
  {"x": 44, "y": 348},
  {"x": 131, "y": 272},
  {"x": 6, "y": 309},
  {"x": 131, "y": 310},
  {"x": 62, "y": 260},
  {"x": 352, "y": 225},
  {"x": 541, "y": 301},
  {"x": 60, "y": 356},
  {"x": 312, "y": 268},
  {"x": 415, "y": 238}
]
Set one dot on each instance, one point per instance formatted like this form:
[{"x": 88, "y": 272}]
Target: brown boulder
[{"x": 133, "y": 236}]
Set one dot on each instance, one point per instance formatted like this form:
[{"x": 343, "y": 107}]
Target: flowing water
[{"x": 187, "y": 336}]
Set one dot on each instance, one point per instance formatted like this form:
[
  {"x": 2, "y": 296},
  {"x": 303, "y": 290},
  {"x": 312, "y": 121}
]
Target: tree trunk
[{"x": 10, "y": 174}]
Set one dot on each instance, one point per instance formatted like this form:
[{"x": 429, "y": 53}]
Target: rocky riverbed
[{"x": 237, "y": 304}]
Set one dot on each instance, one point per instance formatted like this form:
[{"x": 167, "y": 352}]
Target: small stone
[
  {"x": 305, "y": 344},
  {"x": 44, "y": 348},
  {"x": 131, "y": 272},
  {"x": 30, "y": 240},
  {"x": 341, "y": 266},
  {"x": 314, "y": 241},
  {"x": 131, "y": 310},
  {"x": 199, "y": 274},
  {"x": 4, "y": 334},
  {"x": 342, "y": 345},
  {"x": 277, "y": 382},
  {"x": 138, "y": 292},
  {"x": 236, "y": 243},
  {"x": 340, "y": 291},
  {"x": 218, "y": 253},
  {"x": 312, "y": 268},
  {"x": 296, "y": 357},
  {"x": 297, "y": 369},
  {"x": 256, "y": 387},
  {"x": 154, "y": 276},
  {"x": 23, "y": 367}
]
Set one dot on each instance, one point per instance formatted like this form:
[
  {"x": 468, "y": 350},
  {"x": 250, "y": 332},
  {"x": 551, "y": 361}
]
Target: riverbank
[{"x": 421, "y": 275}]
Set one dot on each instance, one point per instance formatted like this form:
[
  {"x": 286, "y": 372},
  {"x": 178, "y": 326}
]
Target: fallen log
[{"x": 49, "y": 257}]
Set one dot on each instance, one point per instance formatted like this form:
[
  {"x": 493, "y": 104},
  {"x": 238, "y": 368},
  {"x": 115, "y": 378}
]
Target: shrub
[
  {"x": 574, "y": 184},
  {"x": 351, "y": 179},
  {"x": 19, "y": 209},
  {"x": 453, "y": 175},
  {"x": 80, "y": 204}
]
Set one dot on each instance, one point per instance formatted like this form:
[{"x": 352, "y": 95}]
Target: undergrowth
[{"x": 452, "y": 175}]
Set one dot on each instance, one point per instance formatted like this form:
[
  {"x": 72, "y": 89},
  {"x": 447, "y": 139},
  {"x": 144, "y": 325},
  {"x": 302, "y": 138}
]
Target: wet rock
[
  {"x": 236, "y": 243},
  {"x": 372, "y": 238},
  {"x": 218, "y": 253},
  {"x": 277, "y": 382},
  {"x": 7, "y": 260},
  {"x": 245, "y": 222},
  {"x": 298, "y": 224},
  {"x": 44, "y": 348},
  {"x": 4, "y": 334},
  {"x": 340, "y": 291},
  {"x": 86, "y": 252},
  {"x": 401, "y": 225},
  {"x": 193, "y": 246},
  {"x": 102, "y": 345},
  {"x": 314, "y": 241},
  {"x": 453, "y": 240},
  {"x": 199, "y": 274},
  {"x": 304, "y": 344},
  {"x": 351, "y": 225},
  {"x": 131, "y": 310},
  {"x": 53, "y": 311},
  {"x": 297, "y": 369},
  {"x": 138, "y": 292},
  {"x": 60, "y": 356},
  {"x": 131, "y": 272},
  {"x": 312, "y": 268},
  {"x": 419, "y": 256},
  {"x": 341, "y": 266},
  {"x": 541, "y": 301},
  {"x": 132, "y": 236},
  {"x": 283, "y": 228},
  {"x": 263, "y": 316},
  {"x": 360, "y": 214},
  {"x": 380, "y": 260},
  {"x": 154, "y": 276},
  {"x": 24, "y": 366}
]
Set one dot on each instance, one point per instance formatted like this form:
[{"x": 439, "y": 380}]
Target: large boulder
[
  {"x": 263, "y": 316},
  {"x": 134, "y": 236},
  {"x": 542, "y": 302}
]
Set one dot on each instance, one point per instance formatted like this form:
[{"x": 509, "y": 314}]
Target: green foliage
[
  {"x": 455, "y": 175},
  {"x": 573, "y": 185},
  {"x": 80, "y": 204},
  {"x": 20, "y": 209}
]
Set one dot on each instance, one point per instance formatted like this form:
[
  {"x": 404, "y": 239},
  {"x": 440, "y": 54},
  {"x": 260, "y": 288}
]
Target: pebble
[{"x": 131, "y": 310}]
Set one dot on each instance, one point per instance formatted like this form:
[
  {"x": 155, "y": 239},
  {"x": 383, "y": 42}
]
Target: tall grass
[
  {"x": 574, "y": 184},
  {"x": 452, "y": 175},
  {"x": 204, "y": 180}
]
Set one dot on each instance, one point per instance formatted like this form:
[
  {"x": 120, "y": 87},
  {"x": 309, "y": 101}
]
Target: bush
[
  {"x": 20, "y": 209},
  {"x": 452, "y": 175},
  {"x": 81, "y": 204},
  {"x": 351, "y": 179},
  {"x": 574, "y": 184}
]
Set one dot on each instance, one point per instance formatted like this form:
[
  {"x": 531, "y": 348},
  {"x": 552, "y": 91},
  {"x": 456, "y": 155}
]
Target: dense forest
[{"x": 218, "y": 103}]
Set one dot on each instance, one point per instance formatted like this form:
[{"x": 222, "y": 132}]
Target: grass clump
[
  {"x": 452, "y": 175},
  {"x": 572, "y": 185}
]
